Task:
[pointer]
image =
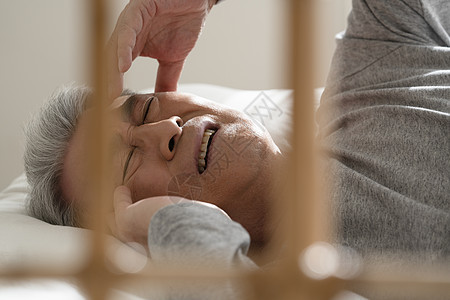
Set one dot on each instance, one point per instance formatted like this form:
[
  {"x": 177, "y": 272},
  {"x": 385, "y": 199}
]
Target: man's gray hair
[{"x": 47, "y": 136}]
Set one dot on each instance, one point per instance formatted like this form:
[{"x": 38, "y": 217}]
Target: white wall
[
  {"x": 39, "y": 51},
  {"x": 43, "y": 45}
]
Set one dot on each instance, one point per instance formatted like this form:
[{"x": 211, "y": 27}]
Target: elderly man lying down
[
  {"x": 165, "y": 144},
  {"x": 384, "y": 125}
]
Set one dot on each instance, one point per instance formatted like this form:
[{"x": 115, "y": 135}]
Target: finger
[
  {"x": 122, "y": 199},
  {"x": 128, "y": 27},
  {"x": 121, "y": 44},
  {"x": 126, "y": 42},
  {"x": 115, "y": 84},
  {"x": 168, "y": 76},
  {"x": 114, "y": 76}
]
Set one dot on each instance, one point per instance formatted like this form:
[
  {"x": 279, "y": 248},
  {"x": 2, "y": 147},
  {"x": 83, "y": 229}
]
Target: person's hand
[
  {"x": 166, "y": 30},
  {"x": 131, "y": 220}
]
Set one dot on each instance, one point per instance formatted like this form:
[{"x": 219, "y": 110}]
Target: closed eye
[{"x": 147, "y": 109}]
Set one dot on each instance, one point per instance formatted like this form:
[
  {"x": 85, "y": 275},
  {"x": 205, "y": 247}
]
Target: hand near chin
[
  {"x": 131, "y": 220},
  {"x": 165, "y": 30}
]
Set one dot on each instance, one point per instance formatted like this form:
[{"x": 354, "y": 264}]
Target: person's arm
[
  {"x": 193, "y": 235},
  {"x": 165, "y": 30},
  {"x": 403, "y": 21},
  {"x": 370, "y": 51},
  {"x": 198, "y": 234},
  {"x": 387, "y": 90}
]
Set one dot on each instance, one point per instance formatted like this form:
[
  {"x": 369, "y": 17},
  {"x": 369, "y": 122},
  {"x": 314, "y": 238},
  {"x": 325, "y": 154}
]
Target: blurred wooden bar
[
  {"x": 299, "y": 200},
  {"x": 95, "y": 276},
  {"x": 302, "y": 200}
]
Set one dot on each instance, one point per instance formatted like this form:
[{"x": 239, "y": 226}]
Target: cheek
[
  {"x": 239, "y": 167},
  {"x": 149, "y": 182}
]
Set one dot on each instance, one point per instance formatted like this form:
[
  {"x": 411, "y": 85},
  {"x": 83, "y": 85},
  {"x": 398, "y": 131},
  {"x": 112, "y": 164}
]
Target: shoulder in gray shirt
[{"x": 385, "y": 126}]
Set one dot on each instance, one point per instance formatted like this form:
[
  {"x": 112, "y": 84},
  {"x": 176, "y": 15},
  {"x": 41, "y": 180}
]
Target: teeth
[
  {"x": 201, "y": 163},
  {"x": 203, "y": 149}
]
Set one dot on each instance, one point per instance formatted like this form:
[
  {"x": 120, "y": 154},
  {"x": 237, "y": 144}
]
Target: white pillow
[{"x": 26, "y": 240}]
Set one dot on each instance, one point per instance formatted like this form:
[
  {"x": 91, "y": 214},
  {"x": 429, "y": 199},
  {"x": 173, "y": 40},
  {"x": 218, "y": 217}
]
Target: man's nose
[{"x": 162, "y": 136}]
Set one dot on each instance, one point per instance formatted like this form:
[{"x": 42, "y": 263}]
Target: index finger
[
  {"x": 126, "y": 42},
  {"x": 114, "y": 76},
  {"x": 168, "y": 75},
  {"x": 120, "y": 48}
]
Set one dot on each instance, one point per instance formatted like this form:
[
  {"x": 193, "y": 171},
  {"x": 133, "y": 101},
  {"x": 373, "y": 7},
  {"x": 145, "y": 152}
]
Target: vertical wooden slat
[
  {"x": 96, "y": 277},
  {"x": 300, "y": 197},
  {"x": 303, "y": 197}
]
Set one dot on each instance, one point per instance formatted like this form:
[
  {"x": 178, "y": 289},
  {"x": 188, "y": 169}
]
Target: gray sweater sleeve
[
  {"x": 402, "y": 21},
  {"x": 196, "y": 235},
  {"x": 192, "y": 231},
  {"x": 384, "y": 123}
]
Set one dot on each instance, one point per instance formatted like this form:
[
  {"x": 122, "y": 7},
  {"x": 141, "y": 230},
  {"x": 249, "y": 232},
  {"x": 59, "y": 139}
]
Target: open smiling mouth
[{"x": 202, "y": 157}]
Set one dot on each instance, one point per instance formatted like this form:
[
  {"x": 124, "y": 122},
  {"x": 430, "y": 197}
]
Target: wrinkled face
[{"x": 183, "y": 145}]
